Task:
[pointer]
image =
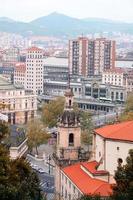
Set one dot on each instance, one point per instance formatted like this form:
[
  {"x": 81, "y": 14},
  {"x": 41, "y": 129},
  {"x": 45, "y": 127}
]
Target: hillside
[{"x": 56, "y": 24}]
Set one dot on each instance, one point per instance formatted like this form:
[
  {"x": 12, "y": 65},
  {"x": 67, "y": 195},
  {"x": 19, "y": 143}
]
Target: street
[{"x": 42, "y": 170}]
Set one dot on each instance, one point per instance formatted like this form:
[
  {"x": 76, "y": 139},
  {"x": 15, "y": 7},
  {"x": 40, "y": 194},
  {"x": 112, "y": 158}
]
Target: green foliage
[
  {"x": 124, "y": 180},
  {"x": 86, "y": 121},
  {"x": 36, "y": 134},
  {"x": 86, "y": 127},
  {"x": 4, "y": 131},
  {"x": 52, "y": 111},
  {"x": 128, "y": 112},
  {"x": 17, "y": 180},
  {"x": 129, "y": 104}
]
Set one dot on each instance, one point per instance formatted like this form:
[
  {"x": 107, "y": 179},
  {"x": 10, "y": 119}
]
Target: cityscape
[{"x": 66, "y": 100}]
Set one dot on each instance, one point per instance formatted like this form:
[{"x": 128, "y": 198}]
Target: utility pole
[{"x": 49, "y": 158}]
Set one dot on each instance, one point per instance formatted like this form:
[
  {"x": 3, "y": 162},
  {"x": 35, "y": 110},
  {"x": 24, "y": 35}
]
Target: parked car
[{"x": 40, "y": 170}]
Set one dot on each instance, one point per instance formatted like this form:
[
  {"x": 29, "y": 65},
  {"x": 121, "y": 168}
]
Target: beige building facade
[{"x": 20, "y": 104}]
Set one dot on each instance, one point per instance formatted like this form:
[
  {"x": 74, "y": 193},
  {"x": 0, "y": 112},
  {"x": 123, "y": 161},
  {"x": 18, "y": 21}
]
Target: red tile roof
[
  {"x": 115, "y": 70},
  {"x": 34, "y": 49},
  {"x": 20, "y": 67},
  {"x": 85, "y": 183},
  {"x": 120, "y": 131},
  {"x": 92, "y": 168}
]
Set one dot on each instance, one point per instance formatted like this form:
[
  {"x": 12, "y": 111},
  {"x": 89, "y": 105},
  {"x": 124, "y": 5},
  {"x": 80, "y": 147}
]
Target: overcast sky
[{"x": 26, "y": 10}]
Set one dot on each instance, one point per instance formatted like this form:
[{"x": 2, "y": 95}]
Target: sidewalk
[{"x": 40, "y": 163}]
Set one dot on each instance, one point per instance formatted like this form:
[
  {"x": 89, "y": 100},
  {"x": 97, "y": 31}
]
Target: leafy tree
[
  {"x": 128, "y": 112},
  {"x": 4, "y": 131},
  {"x": 17, "y": 180},
  {"x": 36, "y": 134},
  {"x": 129, "y": 104},
  {"x": 123, "y": 190},
  {"x": 86, "y": 127},
  {"x": 52, "y": 111}
]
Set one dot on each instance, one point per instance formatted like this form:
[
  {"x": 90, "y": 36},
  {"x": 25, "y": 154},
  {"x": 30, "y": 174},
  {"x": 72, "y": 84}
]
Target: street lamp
[
  {"x": 105, "y": 117},
  {"x": 49, "y": 158}
]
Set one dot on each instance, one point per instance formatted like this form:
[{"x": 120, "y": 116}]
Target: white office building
[{"x": 34, "y": 70}]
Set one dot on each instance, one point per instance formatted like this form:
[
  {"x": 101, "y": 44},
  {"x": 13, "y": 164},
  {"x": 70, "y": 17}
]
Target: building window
[
  {"x": 66, "y": 194},
  {"x": 25, "y": 104},
  {"x": 73, "y": 189},
  {"x": 32, "y": 104},
  {"x": 99, "y": 154},
  {"x": 118, "y": 148},
  {"x": 62, "y": 176},
  {"x": 70, "y": 102},
  {"x": 66, "y": 180},
  {"x": 62, "y": 190},
  {"x": 120, "y": 161},
  {"x": 69, "y": 184},
  {"x": 71, "y": 139}
]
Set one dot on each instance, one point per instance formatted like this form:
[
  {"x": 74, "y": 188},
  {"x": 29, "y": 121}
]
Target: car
[
  {"x": 40, "y": 170},
  {"x": 35, "y": 167}
]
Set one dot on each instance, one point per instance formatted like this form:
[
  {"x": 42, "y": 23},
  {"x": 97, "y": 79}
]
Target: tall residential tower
[{"x": 88, "y": 57}]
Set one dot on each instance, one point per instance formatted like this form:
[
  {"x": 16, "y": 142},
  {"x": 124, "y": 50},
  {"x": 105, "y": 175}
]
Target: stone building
[{"x": 20, "y": 104}]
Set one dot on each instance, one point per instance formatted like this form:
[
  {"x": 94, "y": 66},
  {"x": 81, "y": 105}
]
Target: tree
[
  {"x": 17, "y": 179},
  {"x": 123, "y": 190},
  {"x": 36, "y": 134},
  {"x": 128, "y": 112},
  {"x": 86, "y": 127},
  {"x": 129, "y": 104},
  {"x": 52, "y": 111},
  {"x": 4, "y": 131}
]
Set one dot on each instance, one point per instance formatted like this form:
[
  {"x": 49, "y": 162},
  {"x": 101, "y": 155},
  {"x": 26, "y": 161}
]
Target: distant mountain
[
  {"x": 56, "y": 24},
  {"x": 60, "y": 24},
  {"x": 91, "y": 19},
  {"x": 6, "y": 19}
]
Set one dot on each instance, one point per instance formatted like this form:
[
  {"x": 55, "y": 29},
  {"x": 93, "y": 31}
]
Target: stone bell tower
[
  {"x": 69, "y": 131},
  {"x": 68, "y": 139}
]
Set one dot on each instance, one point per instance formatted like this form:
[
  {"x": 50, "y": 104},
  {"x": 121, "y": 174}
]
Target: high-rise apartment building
[
  {"x": 10, "y": 57},
  {"x": 89, "y": 57},
  {"x": 34, "y": 70}
]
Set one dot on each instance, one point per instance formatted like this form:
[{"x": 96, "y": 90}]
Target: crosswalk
[{"x": 46, "y": 184}]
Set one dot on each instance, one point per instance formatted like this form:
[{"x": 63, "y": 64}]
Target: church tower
[
  {"x": 69, "y": 131},
  {"x": 68, "y": 139}
]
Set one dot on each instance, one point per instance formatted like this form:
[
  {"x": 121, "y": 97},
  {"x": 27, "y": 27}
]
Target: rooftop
[
  {"x": 121, "y": 131},
  {"x": 17, "y": 136},
  {"x": 92, "y": 168},
  {"x": 31, "y": 49},
  {"x": 115, "y": 70},
  {"x": 6, "y": 85},
  {"x": 53, "y": 61},
  {"x": 85, "y": 183}
]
